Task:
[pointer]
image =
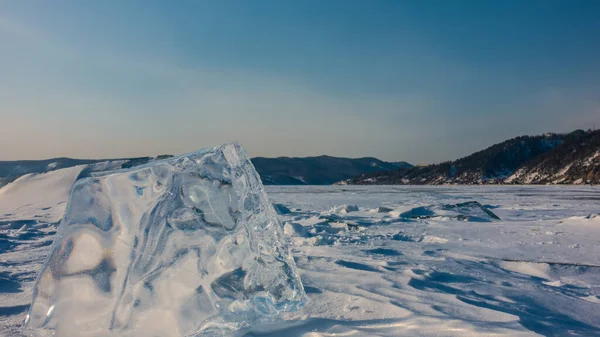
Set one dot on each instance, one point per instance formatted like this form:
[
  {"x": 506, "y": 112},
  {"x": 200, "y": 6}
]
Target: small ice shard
[
  {"x": 186, "y": 246},
  {"x": 471, "y": 211},
  {"x": 383, "y": 209},
  {"x": 281, "y": 209},
  {"x": 343, "y": 209}
]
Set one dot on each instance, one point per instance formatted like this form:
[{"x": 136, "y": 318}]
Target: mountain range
[
  {"x": 552, "y": 158},
  {"x": 321, "y": 170},
  {"x": 572, "y": 158}
]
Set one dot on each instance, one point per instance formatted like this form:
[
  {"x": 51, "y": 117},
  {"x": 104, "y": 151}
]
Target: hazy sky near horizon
[{"x": 420, "y": 81}]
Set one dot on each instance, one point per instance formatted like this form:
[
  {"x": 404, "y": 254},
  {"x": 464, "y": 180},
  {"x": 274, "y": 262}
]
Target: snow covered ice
[
  {"x": 188, "y": 246},
  {"x": 464, "y": 211},
  {"x": 373, "y": 271}
]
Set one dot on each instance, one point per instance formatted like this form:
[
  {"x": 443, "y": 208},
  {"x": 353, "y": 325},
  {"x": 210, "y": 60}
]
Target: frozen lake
[{"x": 390, "y": 261}]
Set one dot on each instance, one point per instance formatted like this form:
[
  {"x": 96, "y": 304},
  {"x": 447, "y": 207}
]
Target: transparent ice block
[{"x": 187, "y": 246}]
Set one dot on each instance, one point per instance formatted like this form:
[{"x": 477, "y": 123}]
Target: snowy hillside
[
  {"x": 547, "y": 159},
  {"x": 385, "y": 261},
  {"x": 577, "y": 161},
  {"x": 11, "y": 170}
]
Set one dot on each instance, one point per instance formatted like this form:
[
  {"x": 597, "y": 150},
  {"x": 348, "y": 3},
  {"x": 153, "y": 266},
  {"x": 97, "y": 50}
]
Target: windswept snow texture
[
  {"x": 188, "y": 246},
  {"x": 443, "y": 261},
  {"x": 372, "y": 272}
]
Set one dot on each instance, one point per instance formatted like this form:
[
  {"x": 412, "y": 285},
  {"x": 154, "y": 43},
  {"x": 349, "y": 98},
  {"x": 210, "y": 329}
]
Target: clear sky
[{"x": 421, "y": 81}]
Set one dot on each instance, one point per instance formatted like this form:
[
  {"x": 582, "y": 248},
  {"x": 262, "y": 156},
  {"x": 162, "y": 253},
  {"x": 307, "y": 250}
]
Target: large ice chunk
[{"x": 187, "y": 246}]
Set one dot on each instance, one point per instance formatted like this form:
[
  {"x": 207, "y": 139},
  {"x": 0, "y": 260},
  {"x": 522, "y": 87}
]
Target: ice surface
[
  {"x": 393, "y": 276},
  {"x": 187, "y": 246},
  {"x": 466, "y": 211}
]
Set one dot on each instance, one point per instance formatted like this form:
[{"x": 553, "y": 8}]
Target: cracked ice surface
[{"x": 188, "y": 246}]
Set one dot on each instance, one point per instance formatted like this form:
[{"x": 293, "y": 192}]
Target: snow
[
  {"x": 587, "y": 220},
  {"x": 300, "y": 178},
  {"x": 591, "y": 159},
  {"x": 342, "y": 209},
  {"x": 34, "y": 196},
  {"x": 528, "y": 268},
  {"x": 559, "y": 176},
  {"x": 514, "y": 176},
  {"x": 536, "y": 271}
]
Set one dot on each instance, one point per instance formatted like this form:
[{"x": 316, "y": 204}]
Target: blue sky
[{"x": 421, "y": 81}]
